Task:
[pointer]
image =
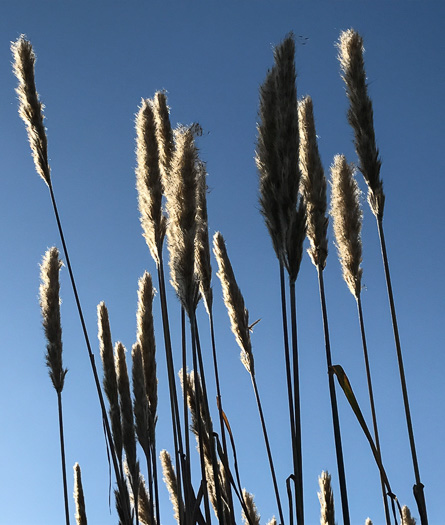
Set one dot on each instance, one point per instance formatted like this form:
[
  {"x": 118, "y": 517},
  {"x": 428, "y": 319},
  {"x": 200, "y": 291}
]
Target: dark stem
[
  {"x": 334, "y": 408},
  {"x": 371, "y": 401},
  {"x": 119, "y": 478},
  {"x": 155, "y": 478},
  {"x": 418, "y": 487},
  {"x": 288, "y": 375},
  {"x": 299, "y": 472},
  {"x": 220, "y": 412},
  {"x": 185, "y": 387},
  {"x": 269, "y": 453},
  {"x": 62, "y": 454}
]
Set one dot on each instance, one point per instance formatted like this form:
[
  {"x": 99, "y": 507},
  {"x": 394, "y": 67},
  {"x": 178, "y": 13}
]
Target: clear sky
[{"x": 96, "y": 60}]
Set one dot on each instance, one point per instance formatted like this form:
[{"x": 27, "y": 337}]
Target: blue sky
[{"x": 96, "y": 60}]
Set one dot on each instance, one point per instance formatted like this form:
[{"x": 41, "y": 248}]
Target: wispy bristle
[
  {"x": 110, "y": 379},
  {"x": 81, "y": 517},
  {"x": 326, "y": 498},
  {"x": 360, "y": 116},
  {"x": 202, "y": 247},
  {"x": 30, "y": 107},
  {"x": 347, "y": 216},
  {"x": 50, "y": 306},
  {"x": 164, "y": 134},
  {"x": 148, "y": 180},
  {"x": 181, "y": 208},
  {"x": 170, "y": 481},
  {"x": 252, "y": 512},
  {"x": 313, "y": 185},
  {"x": 146, "y": 339},
  {"x": 234, "y": 301}
]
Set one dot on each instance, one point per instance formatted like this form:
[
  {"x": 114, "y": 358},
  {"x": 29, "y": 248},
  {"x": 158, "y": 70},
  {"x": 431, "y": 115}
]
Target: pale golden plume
[
  {"x": 110, "y": 379},
  {"x": 234, "y": 301},
  {"x": 347, "y": 217},
  {"x": 148, "y": 180},
  {"x": 50, "y": 307},
  {"x": 407, "y": 519},
  {"x": 202, "y": 247},
  {"x": 252, "y": 516},
  {"x": 181, "y": 208},
  {"x": 144, "y": 430},
  {"x": 360, "y": 116},
  {"x": 30, "y": 107},
  {"x": 144, "y": 503},
  {"x": 326, "y": 498},
  {"x": 170, "y": 481},
  {"x": 164, "y": 134},
  {"x": 81, "y": 517},
  {"x": 313, "y": 184},
  {"x": 146, "y": 339}
]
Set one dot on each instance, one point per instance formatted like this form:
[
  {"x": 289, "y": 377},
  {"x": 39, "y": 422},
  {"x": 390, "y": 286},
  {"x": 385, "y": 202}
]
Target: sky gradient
[{"x": 95, "y": 61}]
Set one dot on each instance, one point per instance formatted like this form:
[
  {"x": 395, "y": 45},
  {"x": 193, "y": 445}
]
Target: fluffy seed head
[
  {"x": 148, "y": 180},
  {"x": 360, "y": 116},
  {"x": 81, "y": 517},
  {"x": 170, "y": 481},
  {"x": 326, "y": 498},
  {"x": 234, "y": 301},
  {"x": 347, "y": 216},
  {"x": 30, "y": 107},
  {"x": 164, "y": 134},
  {"x": 313, "y": 185},
  {"x": 252, "y": 511},
  {"x": 50, "y": 307}
]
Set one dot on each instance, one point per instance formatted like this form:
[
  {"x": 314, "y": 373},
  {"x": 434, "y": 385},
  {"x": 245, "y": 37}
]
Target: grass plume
[
  {"x": 164, "y": 134},
  {"x": 81, "y": 517},
  {"x": 252, "y": 517},
  {"x": 326, "y": 498},
  {"x": 30, "y": 107},
  {"x": 360, "y": 116},
  {"x": 148, "y": 180},
  {"x": 170, "y": 481}
]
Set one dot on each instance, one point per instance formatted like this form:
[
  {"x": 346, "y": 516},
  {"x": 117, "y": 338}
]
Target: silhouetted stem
[
  {"x": 62, "y": 454},
  {"x": 371, "y": 401},
  {"x": 334, "y": 408},
  {"x": 269, "y": 453},
  {"x": 299, "y": 472},
  {"x": 119, "y": 479},
  {"x": 418, "y": 487}
]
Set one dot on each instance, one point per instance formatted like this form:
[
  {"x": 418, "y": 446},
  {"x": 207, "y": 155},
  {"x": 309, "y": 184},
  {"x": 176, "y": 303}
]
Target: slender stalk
[
  {"x": 62, "y": 453},
  {"x": 269, "y": 452},
  {"x": 334, "y": 408},
  {"x": 185, "y": 384},
  {"x": 418, "y": 487},
  {"x": 371, "y": 401},
  {"x": 299, "y": 480},
  {"x": 119, "y": 479}
]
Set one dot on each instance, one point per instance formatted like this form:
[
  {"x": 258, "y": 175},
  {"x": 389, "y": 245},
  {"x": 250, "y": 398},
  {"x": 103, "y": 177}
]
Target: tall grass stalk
[
  {"x": 360, "y": 117},
  {"x": 239, "y": 321},
  {"x": 313, "y": 189},
  {"x": 277, "y": 163},
  {"x": 50, "y": 306},
  {"x": 347, "y": 216},
  {"x": 31, "y": 111}
]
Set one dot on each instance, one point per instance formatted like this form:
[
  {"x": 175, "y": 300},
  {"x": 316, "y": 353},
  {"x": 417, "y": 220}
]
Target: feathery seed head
[
  {"x": 170, "y": 481},
  {"x": 407, "y": 519},
  {"x": 360, "y": 116},
  {"x": 81, "y": 517},
  {"x": 326, "y": 498},
  {"x": 140, "y": 403},
  {"x": 202, "y": 247},
  {"x": 181, "y": 208},
  {"x": 234, "y": 301},
  {"x": 148, "y": 180},
  {"x": 368, "y": 521},
  {"x": 347, "y": 217},
  {"x": 30, "y": 107},
  {"x": 50, "y": 306},
  {"x": 164, "y": 134},
  {"x": 313, "y": 184},
  {"x": 146, "y": 340},
  {"x": 253, "y": 516}
]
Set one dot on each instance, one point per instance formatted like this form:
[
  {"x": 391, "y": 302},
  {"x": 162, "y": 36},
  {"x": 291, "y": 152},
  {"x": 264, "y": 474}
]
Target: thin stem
[
  {"x": 185, "y": 386},
  {"x": 155, "y": 477},
  {"x": 334, "y": 408},
  {"x": 62, "y": 453},
  {"x": 220, "y": 412},
  {"x": 371, "y": 401},
  {"x": 299, "y": 480},
  {"x": 418, "y": 487},
  {"x": 288, "y": 374},
  {"x": 119, "y": 479},
  {"x": 269, "y": 453}
]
